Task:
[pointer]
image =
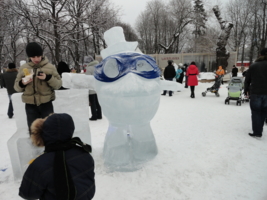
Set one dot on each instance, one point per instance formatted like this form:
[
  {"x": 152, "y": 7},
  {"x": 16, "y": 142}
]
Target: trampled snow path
[{"x": 205, "y": 153}]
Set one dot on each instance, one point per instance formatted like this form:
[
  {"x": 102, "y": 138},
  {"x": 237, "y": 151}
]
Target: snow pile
[{"x": 206, "y": 76}]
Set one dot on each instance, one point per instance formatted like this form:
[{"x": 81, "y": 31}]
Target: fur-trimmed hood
[
  {"x": 261, "y": 58},
  {"x": 55, "y": 128},
  {"x": 12, "y": 70}
]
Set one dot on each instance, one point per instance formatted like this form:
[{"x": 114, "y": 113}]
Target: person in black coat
[
  {"x": 234, "y": 71},
  {"x": 7, "y": 81},
  {"x": 61, "y": 68},
  {"x": 65, "y": 170},
  {"x": 256, "y": 87},
  {"x": 169, "y": 73}
]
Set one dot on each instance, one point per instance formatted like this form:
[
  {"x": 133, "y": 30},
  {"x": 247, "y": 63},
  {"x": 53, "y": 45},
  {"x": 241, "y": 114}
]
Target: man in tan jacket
[{"x": 37, "y": 79}]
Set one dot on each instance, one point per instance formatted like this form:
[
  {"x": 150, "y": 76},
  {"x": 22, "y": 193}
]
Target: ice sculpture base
[
  {"x": 21, "y": 151},
  {"x": 127, "y": 148}
]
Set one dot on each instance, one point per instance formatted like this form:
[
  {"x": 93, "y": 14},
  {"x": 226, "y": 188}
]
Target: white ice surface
[
  {"x": 204, "y": 153},
  {"x": 78, "y": 81}
]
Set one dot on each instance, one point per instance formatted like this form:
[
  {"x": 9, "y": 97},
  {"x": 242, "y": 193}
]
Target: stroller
[
  {"x": 216, "y": 86},
  {"x": 235, "y": 91}
]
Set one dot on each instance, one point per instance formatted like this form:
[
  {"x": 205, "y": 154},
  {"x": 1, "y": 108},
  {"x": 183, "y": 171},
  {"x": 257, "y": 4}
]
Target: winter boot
[{"x": 254, "y": 135}]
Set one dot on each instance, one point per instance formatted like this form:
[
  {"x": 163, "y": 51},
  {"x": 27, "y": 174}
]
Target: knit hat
[
  {"x": 264, "y": 52},
  {"x": 11, "y": 65},
  {"x": 34, "y": 49}
]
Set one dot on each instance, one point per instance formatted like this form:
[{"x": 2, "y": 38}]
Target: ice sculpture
[
  {"x": 21, "y": 151},
  {"x": 128, "y": 88}
]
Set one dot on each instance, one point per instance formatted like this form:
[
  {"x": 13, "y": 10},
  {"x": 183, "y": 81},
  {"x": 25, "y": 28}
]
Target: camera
[{"x": 40, "y": 73}]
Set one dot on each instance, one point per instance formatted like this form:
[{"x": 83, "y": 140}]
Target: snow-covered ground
[{"x": 205, "y": 153}]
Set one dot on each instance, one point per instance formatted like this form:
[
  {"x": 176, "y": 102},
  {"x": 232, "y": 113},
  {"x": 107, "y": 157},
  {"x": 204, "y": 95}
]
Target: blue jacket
[
  {"x": 38, "y": 180},
  {"x": 178, "y": 73}
]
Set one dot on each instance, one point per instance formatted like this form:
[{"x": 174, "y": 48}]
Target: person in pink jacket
[{"x": 191, "y": 73}]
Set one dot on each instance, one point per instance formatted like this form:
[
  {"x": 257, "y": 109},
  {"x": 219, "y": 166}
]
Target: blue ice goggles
[{"x": 116, "y": 66}]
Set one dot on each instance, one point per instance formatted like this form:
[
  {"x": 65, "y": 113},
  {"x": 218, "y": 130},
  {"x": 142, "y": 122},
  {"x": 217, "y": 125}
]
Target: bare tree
[
  {"x": 200, "y": 19},
  {"x": 156, "y": 9},
  {"x": 67, "y": 28},
  {"x": 128, "y": 31},
  {"x": 240, "y": 13},
  {"x": 181, "y": 12},
  {"x": 144, "y": 29},
  {"x": 3, "y": 33}
]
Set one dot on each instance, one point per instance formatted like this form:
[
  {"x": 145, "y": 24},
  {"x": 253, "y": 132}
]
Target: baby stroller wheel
[
  {"x": 226, "y": 101},
  {"x": 217, "y": 94},
  {"x": 203, "y": 94}
]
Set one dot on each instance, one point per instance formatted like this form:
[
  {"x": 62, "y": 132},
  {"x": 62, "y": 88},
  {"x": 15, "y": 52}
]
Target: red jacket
[{"x": 192, "y": 72}]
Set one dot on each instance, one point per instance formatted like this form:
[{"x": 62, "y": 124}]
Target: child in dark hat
[
  {"x": 34, "y": 49},
  {"x": 38, "y": 88},
  {"x": 65, "y": 170},
  {"x": 8, "y": 80},
  {"x": 11, "y": 66}
]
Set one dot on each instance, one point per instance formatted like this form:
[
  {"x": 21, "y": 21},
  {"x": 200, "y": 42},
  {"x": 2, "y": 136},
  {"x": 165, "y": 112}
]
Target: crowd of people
[
  {"x": 190, "y": 72},
  {"x": 255, "y": 86}
]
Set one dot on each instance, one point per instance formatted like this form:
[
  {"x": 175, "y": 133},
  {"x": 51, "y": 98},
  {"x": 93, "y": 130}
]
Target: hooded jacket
[
  {"x": 256, "y": 77},
  {"x": 192, "y": 72},
  {"x": 8, "y": 80},
  {"x": 38, "y": 91},
  {"x": 38, "y": 180}
]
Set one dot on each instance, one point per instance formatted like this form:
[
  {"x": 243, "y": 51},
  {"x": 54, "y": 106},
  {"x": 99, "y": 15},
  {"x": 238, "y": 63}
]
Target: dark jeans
[
  {"x": 258, "y": 106},
  {"x": 95, "y": 106},
  {"x": 165, "y": 91},
  {"x": 180, "y": 79},
  {"x": 10, "y": 108},
  {"x": 186, "y": 79},
  {"x": 33, "y": 111}
]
